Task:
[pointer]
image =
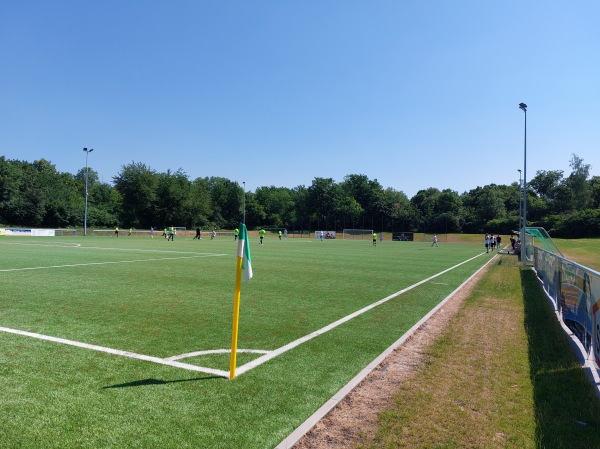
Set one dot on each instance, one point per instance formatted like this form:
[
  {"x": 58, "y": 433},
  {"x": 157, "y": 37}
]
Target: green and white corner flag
[
  {"x": 244, "y": 262},
  {"x": 244, "y": 252}
]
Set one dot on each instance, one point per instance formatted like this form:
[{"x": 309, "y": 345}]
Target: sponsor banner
[
  {"x": 576, "y": 292},
  {"x": 28, "y": 232}
]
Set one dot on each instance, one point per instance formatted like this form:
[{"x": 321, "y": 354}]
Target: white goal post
[{"x": 358, "y": 234}]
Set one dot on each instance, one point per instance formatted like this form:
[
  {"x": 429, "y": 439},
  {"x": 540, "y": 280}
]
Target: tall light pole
[
  {"x": 523, "y": 106},
  {"x": 520, "y": 197},
  {"x": 87, "y": 152}
]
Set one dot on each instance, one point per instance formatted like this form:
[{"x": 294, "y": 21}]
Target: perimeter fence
[{"x": 574, "y": 291}]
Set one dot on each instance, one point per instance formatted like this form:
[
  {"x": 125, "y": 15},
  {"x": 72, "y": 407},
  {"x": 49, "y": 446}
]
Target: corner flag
[
  {"x": 243, "y": 262},
  {"x": 244, "y": 253}
]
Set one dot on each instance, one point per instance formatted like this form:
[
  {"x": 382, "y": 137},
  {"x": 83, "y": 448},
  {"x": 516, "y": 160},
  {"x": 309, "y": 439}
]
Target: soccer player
[
  {"x": 236, "y": 232},
  {"x": 197, "y": 236},
  {"x": 434, "y": 243},
  {"x": 261, "y": 233},
  {"x": 374, "y": 239},
  {"x": 279, "y": 235},
  {"x": 117, "y": 231}
]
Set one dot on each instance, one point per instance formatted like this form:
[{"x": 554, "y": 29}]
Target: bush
[{"x": 585, "y": 223}]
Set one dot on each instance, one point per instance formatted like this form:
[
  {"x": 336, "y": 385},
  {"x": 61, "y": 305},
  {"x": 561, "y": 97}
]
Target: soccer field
[{"x": 124, "y": 342}]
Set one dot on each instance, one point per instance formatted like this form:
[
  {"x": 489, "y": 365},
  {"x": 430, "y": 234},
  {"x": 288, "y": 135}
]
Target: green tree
[
  {"x": 322, "y": 201},
  {"x": 278, "y": 205},
  {"x": 200, "y": 205},
  {"x": 578, "y": 185},
  {"x": 173, "y": 200},
  {"x": 482, "y": 205},
  {"x": 595, "y": 189},
  {"x": 137, "y": 184},
  {"x": 226, "y": 199},
  {"x": 425, "y": 203}
]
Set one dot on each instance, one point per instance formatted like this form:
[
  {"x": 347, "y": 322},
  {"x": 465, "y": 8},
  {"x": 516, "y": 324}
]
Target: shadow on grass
[
  {"x": 566, "y": 406},
  {"x": 147, "y": 382}
]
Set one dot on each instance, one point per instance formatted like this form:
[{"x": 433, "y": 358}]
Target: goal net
[{"x": 358, "y": 234}]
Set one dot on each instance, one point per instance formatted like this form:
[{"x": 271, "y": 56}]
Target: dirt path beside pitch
[{"x": 354, "y": 420}]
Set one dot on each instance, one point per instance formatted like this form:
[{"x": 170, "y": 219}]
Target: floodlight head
[
  {"x": 523, "y": 106},
  {"x": 85, "y": 149},
  {"x": 519, "y": 170}
]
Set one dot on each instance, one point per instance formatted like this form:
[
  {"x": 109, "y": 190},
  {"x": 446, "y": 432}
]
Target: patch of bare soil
[{"x": 354, "y": 420}]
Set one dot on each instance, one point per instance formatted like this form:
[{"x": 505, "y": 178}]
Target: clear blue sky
[{"x": 414, "y": 94}]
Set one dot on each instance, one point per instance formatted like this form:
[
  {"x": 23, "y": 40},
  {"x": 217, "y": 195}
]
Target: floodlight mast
[
  {"x": 520, "y": 198},
  {"x": 523, "y": 107},
  {"x": 87, "y": 152}
]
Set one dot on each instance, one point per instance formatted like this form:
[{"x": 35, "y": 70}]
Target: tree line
[{"x": 37, "y": 195}]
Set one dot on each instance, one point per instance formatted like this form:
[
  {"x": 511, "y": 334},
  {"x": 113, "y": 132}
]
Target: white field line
[
  {"x": 130, "y": 250},
  {"x": 107, "y": 263},
  {"x": 132, "y": 355},
  {"x": 312, "y": 420},
  {"x": 268, "y": 355},
  {"x": 57, "y": 244},
  {"x": 214, "y": 351},
  {"x": 259, "y": 361}
]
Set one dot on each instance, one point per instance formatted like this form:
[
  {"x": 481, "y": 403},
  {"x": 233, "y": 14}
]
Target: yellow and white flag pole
[{"x": 243, "y": 262}]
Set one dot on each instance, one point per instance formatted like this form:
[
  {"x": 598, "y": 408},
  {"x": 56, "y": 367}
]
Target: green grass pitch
[{"x": 166, "y": 299}]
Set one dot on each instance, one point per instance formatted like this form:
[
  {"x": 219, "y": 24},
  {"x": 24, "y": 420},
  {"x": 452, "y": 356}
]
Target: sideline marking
[
  {"x": 312, "y": 420},
  {"x": 268, "y": 355},
  {"x": 110, "y": 262},
  {"x": 265, "y": 358}
]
